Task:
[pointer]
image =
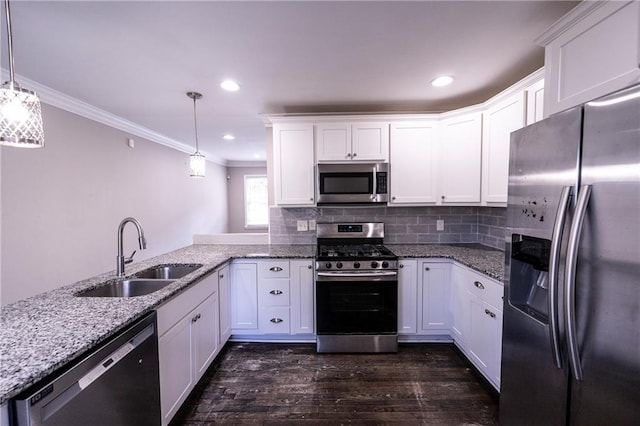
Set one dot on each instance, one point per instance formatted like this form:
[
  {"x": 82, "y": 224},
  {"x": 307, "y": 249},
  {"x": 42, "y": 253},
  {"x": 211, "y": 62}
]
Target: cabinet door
[
  {"x": 205, "y": 323},
  {"x": 176, "y": 359},
  {"x": 408, "y": 297},
  {"x": 460, "y": 305},
  {"x": 461, "y": 153},
  {"x": 302, "y": 297},
  {"x": 244, "y": 297},
  {"x": 413, "y": 163},
  {"x": 535, "y": 102},
  {"x": 293, "y": 164},
  {"x": 434, "y": 295},
  {"x": 370, "y": 141},
  {"x": 224, "y": 296},
  {"x": 333, "y": 142},
  {"x": 499, "y": 121},
  {"x": 485, "y": 338}
]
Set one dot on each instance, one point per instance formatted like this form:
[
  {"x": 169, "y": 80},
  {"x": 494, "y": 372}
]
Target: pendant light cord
[
  {"x": 9, "y": 42},
  {"x": 195, "y": 121}
]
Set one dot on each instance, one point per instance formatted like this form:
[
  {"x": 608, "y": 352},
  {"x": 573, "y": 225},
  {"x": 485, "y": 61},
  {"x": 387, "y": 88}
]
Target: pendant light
[
  {"x": 20, "y": 113},
  {"x": 197, "y": 164}
]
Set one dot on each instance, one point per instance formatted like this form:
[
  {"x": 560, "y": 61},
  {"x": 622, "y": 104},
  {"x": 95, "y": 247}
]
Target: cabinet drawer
[
  {"x": 275, "y": 320},
  {"x": 274, "y": 292},
  {"x": 486, "y": 289},
  {"x": 273, "y": 269}
]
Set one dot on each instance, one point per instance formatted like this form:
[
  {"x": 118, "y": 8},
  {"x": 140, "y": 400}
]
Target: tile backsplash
[{"x": 417, "y": 225}]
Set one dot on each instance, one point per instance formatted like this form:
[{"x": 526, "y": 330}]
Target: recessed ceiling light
[
  {"x": 228, "y": 137},
  {"x": 230, "y": 85},
  {"x": 443, "y": 80}
]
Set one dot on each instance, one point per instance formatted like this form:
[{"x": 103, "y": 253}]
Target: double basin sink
[{"x": 141, "y": 283}]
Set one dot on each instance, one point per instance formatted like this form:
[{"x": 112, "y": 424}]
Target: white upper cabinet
[
  {"x": 293, "y": 161},
  {"x": 461, "y": 157},
  {"x": 593, "y": 50},
  {"x": 367, "y": 141},
  {"x": 535, "y": 102},
  {"x": 413, "y": 162},
  {"x": 499, "y": 121}
]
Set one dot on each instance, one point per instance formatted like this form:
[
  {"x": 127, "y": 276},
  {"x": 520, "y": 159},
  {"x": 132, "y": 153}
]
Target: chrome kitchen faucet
[{"x": 121, "y": 260}]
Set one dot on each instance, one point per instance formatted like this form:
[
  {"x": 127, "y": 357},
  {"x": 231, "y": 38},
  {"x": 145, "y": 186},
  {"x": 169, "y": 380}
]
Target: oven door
[{"x": 357, "y": 303}]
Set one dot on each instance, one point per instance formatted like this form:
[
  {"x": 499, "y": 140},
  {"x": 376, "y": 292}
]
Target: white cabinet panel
[
  {"x": 408, "y": 296},
  {"x": 370, "y": 141},
  {"x": 434, "y": 317},
  {"x": 413, "y": 163},
  {"x": 244, "y": 297},
  {"x": 206, "y": 328},
  {"x": 224, "y": 295},
  {"x": 460, "y": 303},
  {"x": 461, "y": 154},
  {"x": 293, "y": 164},
  {"x": 535, "y": 102},
  {"x": 593, "y": 51},
  {"x": 302, "y": 297},
  {"x": 499, "y": 121},
  {"x": 333, "y": 142},
  {"x": 485, "y": 338}
]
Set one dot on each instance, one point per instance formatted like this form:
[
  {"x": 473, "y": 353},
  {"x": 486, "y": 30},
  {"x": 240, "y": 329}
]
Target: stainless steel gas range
[{"x": 356, "y": 289}]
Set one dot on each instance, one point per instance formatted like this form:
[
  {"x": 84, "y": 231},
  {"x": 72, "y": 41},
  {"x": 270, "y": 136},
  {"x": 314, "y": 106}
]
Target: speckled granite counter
[
  {"x": 40, "y": 334},
  {"x": 483, "y": 259}
]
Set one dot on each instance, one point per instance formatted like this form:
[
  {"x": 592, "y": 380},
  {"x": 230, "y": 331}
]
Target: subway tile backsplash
[{"x": 484, "y": 225}]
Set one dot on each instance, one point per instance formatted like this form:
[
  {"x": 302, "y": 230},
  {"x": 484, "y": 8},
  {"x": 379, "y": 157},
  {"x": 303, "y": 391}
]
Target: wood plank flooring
[{"x": 275, "y": 384}]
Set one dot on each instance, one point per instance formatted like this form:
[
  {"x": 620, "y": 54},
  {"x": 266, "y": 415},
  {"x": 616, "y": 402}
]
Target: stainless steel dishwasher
[{"x": 117, "y": 384}]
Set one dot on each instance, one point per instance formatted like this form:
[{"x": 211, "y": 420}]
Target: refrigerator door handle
[
  {"x": 554, "y": 260},
  {"x": 570, "y": 280}
]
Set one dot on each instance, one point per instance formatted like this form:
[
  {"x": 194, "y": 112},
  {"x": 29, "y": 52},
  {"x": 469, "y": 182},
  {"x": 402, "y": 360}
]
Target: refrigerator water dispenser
[{"x": 530, "y": 276}]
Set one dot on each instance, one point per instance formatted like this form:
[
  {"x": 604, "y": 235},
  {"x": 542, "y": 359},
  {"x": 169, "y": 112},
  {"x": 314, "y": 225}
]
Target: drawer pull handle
[
  {"x": 276, "y": 320},
  {"x": 196, "y": 318},
  {"x": 479, "y": 285},
  {"x": 275, "y": 269},
  {"x": 488, "y": 312},
  {"x": 276, "y": 292}
]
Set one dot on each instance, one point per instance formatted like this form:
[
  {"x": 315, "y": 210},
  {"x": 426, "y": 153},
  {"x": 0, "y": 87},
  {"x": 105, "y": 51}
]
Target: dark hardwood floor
[{"x": 270, "y": 383}]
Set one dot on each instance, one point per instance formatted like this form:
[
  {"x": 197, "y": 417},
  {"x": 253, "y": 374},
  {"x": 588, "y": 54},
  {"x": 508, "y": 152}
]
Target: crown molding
[
  {"x": 235, "y": 163},
  {"x": 571, "y": 18},
  {"x": 70, "y": 104}
]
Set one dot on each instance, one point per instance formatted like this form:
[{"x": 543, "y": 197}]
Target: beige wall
[
  {"x": 61, "y": 205},
  {"x": 235, "y": 176}
]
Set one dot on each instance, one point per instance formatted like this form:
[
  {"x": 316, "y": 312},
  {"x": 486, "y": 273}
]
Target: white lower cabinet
[
  {"x": 188, "y": 330},
  {"x": 476, "y": 327},
  {"x": 272, "y": 297},
  {"x": 407, "y": 296},
  {"x": 224, "y": 294},
  {"x": 433, "y": 294}
]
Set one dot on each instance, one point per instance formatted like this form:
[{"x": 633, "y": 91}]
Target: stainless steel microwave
[{"x": 353, "y": 183}]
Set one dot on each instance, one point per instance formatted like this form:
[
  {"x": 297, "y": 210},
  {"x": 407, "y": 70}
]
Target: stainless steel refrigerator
[{"x": 571, "y": 337}]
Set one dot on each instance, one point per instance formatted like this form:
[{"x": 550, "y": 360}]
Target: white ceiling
[{"x": 137, "y": 59}]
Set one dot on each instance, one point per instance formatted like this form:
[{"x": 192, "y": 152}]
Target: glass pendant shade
[
  {"x": 20, "y": 117},
  {"x": 197, "y": 165}
]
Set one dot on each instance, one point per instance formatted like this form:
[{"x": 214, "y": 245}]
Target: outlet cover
[
  {"x": 302, "y": 225},
  {"x": 440, "y": 225},
  {"x": 312, "y": 225}
]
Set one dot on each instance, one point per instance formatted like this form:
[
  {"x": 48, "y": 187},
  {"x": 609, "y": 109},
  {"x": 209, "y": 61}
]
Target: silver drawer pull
[
  {"x": 276, "y": 292},
  {"x": 196, "y": 318},
  {"x": 488, "y": 312},
  {"x": 479, "y": 285},
  {"x": 276, "y": 320},
  {"x": 275, "y": 269}
]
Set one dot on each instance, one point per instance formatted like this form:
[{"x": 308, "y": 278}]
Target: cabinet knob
[
  {"x": 276, "y": 292},
  {"x": 349, "y": 155},
  {"x": 488, "y": 312},
  {"x": 401, "y": 265},
  {"x": 442, "y": 197},
  {"x": 393, "y": 198},
  {"x": 196, "y": 318},
  {"x": 311, "y": 199},
  {"x": 276, "y": 320},
  {"x": 309, "y": 267},
  {"x": 275, "y": 269},
  {"x": 221, "y": 276},
  {"x": 426, "y": 268},
  {"x": 479, "y": 285},
  {"x": 354, "y": 155}
]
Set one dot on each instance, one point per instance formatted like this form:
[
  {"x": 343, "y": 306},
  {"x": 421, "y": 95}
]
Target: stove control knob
[
  {"x": 356, "y": 265},
  {"x": 374, "y": 264},
  {"x": 327, "y": 265},
  {"x": 339, "y": 265},
  {"x": 385, "y": 264}
]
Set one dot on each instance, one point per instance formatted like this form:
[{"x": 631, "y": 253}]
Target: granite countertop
[{"x": 40, "y": 334}]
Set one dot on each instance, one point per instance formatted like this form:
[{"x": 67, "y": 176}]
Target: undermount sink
[
  {"x": 167, "y": 272},
  {"x": 130, "y": 287},
  {"x": 141, "y": 283}
]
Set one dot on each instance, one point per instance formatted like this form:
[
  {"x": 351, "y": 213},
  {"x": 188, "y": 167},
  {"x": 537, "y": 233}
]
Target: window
[{"x": 256, "y": 204}]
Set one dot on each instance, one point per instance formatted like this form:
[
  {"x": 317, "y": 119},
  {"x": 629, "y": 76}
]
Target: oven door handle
[{"x": 357, "y": 276}]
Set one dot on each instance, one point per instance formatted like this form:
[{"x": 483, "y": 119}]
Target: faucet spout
[{"x": 142, "y": 242}]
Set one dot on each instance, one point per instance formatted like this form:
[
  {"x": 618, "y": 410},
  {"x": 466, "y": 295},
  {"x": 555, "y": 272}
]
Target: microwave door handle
[{"x": 374, "y": 196}]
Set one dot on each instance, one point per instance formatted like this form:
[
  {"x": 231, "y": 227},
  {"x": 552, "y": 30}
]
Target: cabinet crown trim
[{"x": 571, "y": 18}]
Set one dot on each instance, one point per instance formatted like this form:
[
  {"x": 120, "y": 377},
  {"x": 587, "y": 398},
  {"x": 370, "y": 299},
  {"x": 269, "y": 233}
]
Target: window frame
[{"x": 246, "y": 204}]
